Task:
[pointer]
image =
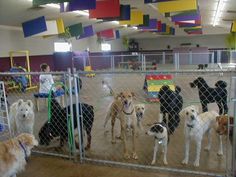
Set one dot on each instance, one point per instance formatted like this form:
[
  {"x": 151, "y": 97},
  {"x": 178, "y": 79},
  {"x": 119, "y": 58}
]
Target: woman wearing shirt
[{"x": 46, "y": 80}]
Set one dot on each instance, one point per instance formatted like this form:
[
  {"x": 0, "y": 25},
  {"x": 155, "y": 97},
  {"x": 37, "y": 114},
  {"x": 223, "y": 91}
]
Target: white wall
[
  {"x": 161, "y": 43},
  {"x": 14, "y": 40}
]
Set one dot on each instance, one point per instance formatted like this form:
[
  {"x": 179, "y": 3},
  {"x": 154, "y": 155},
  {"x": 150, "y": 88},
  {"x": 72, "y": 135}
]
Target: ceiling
[{"x": 14, "y": 12}]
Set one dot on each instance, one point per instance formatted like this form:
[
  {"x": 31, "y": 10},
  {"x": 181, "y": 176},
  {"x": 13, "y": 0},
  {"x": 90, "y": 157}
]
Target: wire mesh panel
[
  {"x": 5, "y": 131},
  {"x": 128, "y": 127},
  {"x": 39, "y": 104}
]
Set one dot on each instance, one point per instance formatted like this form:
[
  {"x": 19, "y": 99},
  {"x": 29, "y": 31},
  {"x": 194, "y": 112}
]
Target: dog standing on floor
[
  {"x": 171, "y": 103},
  {"x": 196, "y": 125},
  {"x": 160, "y": 133},
  {"x": 223, "y": 123},
  {"x": 58, "y": 125},
  {"x": 210, "y": 95},
  {"x": 22, "y": 116},
  {"x": 14, "y": 154},
  {"x": 123, "y": 108}
]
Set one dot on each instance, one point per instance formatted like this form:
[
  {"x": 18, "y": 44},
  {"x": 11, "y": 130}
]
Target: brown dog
[
  {"x": 14, "y": 154},
  {"x": 123, "y": 109},
  {"x": 222, "y": 126}
]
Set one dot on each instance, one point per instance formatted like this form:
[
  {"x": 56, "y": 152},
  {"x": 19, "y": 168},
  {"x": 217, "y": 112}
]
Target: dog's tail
[
  {"x": 177, "y": 89},
  {"x": 108, "y": 116},
  {"x": 221, "y": 84}
]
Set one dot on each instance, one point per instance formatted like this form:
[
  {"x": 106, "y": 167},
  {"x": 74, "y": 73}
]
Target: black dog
[
  {"x": 171, "y": 103},
  {"x": 211, "y": 95},
  {"x": 58, "y": 125},
  {"x": 202, "y": 66}
]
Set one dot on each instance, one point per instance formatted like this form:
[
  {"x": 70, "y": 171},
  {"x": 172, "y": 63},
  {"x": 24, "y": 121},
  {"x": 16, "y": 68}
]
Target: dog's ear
[
  {"x": 217, "y": 118},
  {"x": 133, "y": 94},
  {"x": 19, "y": 102},
  {"x": 30, "y": 103},
  {"x": 197, "y": 109}
]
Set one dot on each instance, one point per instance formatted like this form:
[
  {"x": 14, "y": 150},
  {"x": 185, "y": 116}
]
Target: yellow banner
[
  {"x": 60, "y": 26},
  {"x": 233, "y": 29},
  {"x": 177, "y": 6},
  {"x": 136, "y": 18}
]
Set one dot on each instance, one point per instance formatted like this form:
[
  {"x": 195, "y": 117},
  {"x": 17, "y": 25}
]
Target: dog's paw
[
  {"x": 207, "y": 148},
  {"x": 196, "y": 163},
  {"x": 119, "y": 137},
  {"x": 220, "y": 153},
  {"x": 153, "y": 162},
  {"x": 165, "y": 162},
  {"x": 185, "y": 162},
  {"x": 135, "y": 156}
]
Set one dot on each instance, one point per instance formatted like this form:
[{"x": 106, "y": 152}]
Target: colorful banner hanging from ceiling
[
  {"x": 43, "y": 2},
  {"x": 135, "y": 19},
  {"x": 34, "y": 26},
  {"x": 106, "y": 9},
  {"x": 77, "y": 5}
]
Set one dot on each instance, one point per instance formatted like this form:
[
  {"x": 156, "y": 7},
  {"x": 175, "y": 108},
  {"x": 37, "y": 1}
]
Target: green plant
[{"x": 125, "y": 42}]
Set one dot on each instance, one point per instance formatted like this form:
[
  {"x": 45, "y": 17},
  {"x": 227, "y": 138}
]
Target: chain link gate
[
  {"x": 51, "y": 112},
  {"x": 5, "y": 129},
  {"x": 104, "y": 151}
]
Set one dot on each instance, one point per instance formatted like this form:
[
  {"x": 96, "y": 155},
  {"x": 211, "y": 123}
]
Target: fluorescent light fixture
[
  {"x": 62, "y": 47},
  {"x": 116, "y": 22},
  {"x": 57, "y": 6},
  {"x": 82, "y": 12},
  {"x": 218, "y": 12},
  {"x": 106, "y": 47}
]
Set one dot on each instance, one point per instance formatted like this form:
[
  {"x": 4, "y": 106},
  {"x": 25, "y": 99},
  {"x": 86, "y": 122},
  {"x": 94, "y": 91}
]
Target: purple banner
[
  {"x": 78, "y": 5},
  {"x": 152, "y": 25},
  {"x": 186, "y": 16},
  {"x": 88, "y": 32}
]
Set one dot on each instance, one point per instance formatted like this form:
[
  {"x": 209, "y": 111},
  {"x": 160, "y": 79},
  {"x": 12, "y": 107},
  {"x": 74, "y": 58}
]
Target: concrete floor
[
  {"x": 93, "y": 93},
  {"x": 54, "y": 167}
]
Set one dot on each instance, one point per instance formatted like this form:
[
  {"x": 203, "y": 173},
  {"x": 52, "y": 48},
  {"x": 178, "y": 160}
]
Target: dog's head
[
  {"x": 222, "y": 124},
  {"x": 197, "y": 82},
  {"x": 28, "y": 141},
  {"x": 45, "y": 135},
  {"x": 190, "y": 114},
  {"x": 139, "y": 109},
  {"x": 156, "y": 130},
  {"x": 127, "y": 98},
  {"x": 25, "y": 109},
  {"x": 221, "y": 84}
]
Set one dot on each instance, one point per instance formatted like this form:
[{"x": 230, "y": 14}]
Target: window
[
  {"x": 62, "y": 47},
  {"x": 106, "y": 47}
]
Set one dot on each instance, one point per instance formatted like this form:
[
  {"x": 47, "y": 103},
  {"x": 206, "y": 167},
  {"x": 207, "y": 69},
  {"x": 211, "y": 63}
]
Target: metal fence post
[
  {"x": 71, "y": 116},
  {"x": 79, "y": 116}
]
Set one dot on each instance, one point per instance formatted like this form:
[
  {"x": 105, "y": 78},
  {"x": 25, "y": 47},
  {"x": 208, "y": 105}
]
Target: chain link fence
[
  {"x": 88, "y": 109},
  {"x": 39, "y": 103},
  {"x": 144, "y": 91}
]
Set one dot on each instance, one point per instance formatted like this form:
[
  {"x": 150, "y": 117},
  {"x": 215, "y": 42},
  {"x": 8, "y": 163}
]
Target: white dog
[
  {"x": 196, "y": 125},
  {"x": 22, "y": 116},
  {"x": 160, "y": 132},
  {"x": 14, "y": 154}
]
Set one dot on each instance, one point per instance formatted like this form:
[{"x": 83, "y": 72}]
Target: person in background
[{"x": 46, "y": 81}]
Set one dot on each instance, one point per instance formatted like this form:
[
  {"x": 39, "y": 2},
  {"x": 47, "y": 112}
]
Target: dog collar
[
  {"x": 190, "y": 126},
  {"x": 23, "y": 148},
  {"x": 160, "y": 140},
  {"x": 128, "y": 113}
]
